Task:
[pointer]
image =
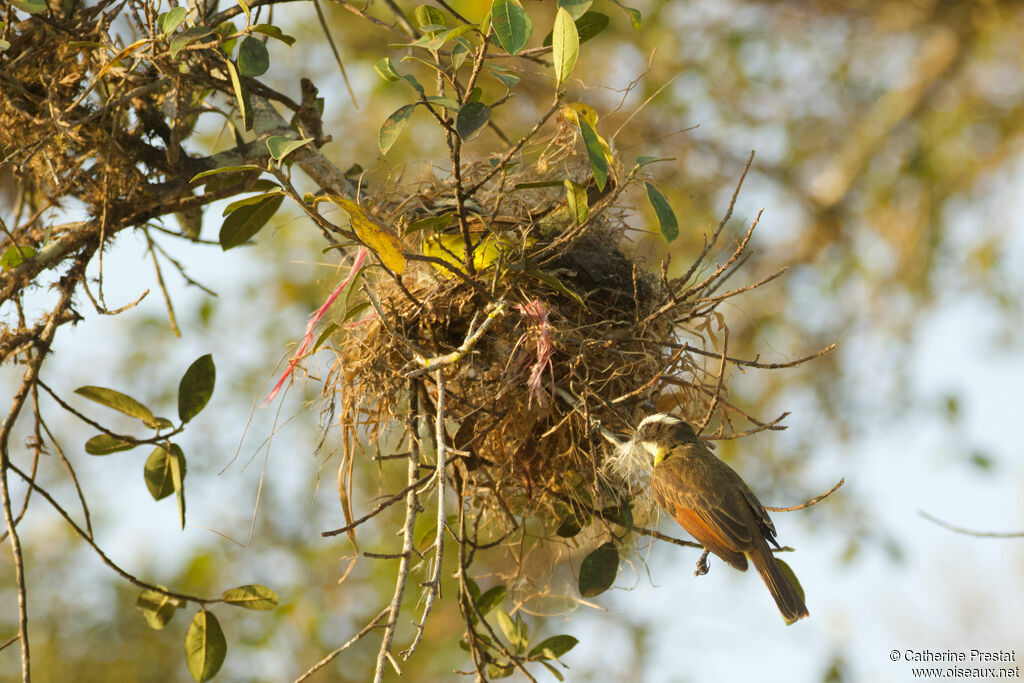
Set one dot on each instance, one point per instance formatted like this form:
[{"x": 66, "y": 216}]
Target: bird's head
[{"x": 661, "y": 432}]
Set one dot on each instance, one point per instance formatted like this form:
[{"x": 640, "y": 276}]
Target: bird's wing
[{"x": 703, "y": 518}]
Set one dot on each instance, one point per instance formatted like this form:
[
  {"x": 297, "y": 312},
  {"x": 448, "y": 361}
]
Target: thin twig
[
  {"x": 969, "y": 532},
  {"x": 718, "y": 387},
  {"x": 812, "y": 501},
  {"x": 352, "y": 641},
  {"x": 411, "y": 506},
  {"x": 381, "y": 507},
  {"x": 433, "y": 586}
]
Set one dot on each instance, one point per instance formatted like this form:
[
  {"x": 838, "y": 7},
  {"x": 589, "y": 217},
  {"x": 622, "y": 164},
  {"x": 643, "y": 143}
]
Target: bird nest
[{"x": 519, "y": 372}]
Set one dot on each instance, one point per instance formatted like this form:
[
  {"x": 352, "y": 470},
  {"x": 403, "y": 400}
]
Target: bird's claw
[{"x": 702, "y": 564}]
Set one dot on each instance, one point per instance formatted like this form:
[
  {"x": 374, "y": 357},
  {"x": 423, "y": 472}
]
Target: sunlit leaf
[
  {"x": 156, "y": 608},
  {"x": 553, "y": 647},
  {"x": 122, "y": 403},
  {"x": 225, "y": 169},
  {"x": 186, "y": 38},
  {"x": 385, "y": 68},
  {"x": 386, "y": 246},
  {"x": 576, "y": 196},
  {"x": 242, "y": 98},
  {"x": 281, "y": 146},
  {"x": 393, "y": 127},
  {"x": 178, "y": 470},
  {"x": 512, "y": 26},
  {"x": 274, "y": 32},
  {"x": 15, "y": 256},
  {"x": 205, "y": 647},
  {"x": 565, "y": 46},
  {"x": 105, "y": 444},
  {"x": 168, "y": 21},
  {"x": 251, "y": 596},
  {"x": 157, "y": 473}
]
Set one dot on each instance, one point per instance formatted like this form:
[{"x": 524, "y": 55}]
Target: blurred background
[{"x": 888, "y": 141}]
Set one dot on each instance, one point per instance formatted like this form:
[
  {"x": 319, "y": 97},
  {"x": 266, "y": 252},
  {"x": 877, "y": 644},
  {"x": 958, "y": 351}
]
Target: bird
[{"x": 714, "y": 505}]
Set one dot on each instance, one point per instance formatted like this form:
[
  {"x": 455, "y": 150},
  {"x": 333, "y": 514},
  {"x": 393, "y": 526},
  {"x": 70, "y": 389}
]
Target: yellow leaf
[
  {"x": 576, "y": 110},
  {"x": 386, "y": 246}
]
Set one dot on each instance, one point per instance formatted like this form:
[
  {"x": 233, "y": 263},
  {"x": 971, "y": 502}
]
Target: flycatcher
[{"x": 714, "y": 505}]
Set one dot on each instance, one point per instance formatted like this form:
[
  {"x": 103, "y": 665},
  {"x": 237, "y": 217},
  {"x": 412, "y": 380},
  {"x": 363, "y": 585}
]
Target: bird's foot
[{"x": 702, "y": 564}]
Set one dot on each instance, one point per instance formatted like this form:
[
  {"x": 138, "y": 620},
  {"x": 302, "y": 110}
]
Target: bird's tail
[{"x": 786, "y": 596}]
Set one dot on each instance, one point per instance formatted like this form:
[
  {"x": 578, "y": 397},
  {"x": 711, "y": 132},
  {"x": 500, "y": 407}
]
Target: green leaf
[
  {"x": 178, "y": 469},
  {"x": 428, "y": 15},
  {"x": 787, "y": 571},
  {"x": 196, "y": 387},
  {"x": 241, "y": 95},
  {"x": 168, "y": 21},
  {"x": 472, "y": 117},
  {"x": 589, "y": 26},
  {"x": 432, "y": 223},
  {"x": 623, "y": 514},
  {"x": 598, "y": 570},
  {"x": 565, "y": 46},
  {"x": 552, "y": 648},
  {"x": 251, "y": 201},
  {"x": 274, "y": 32},
  {"x": 576, "y": 195},
  {"x": 491, "y": 599},
  {"x": 500, "y": 670},
  {"x": 253, "y": 57},
  {"x": 643, "y": 161},
  {"x": 225, "y": 169},
  {"x": 555, "y": 283},
  {"x": 205, "y": 647},
  {"x": 446, "y": 102},
  {"x": 30, "y": 6},
  {"x": 385, "y": 68},
  {"x": 281, "y": 146},
  {"x": 666, "y": 216},
  {"x": 552, "y": 670},
  {"x": 251, "y": 596},
  {"x": 512, "y": 26},
  {"x": 122, "y": 403},
  {"x": 515, "y": 631},
  {"x": 105, "y": 444},
  {"x": 186, "y": 38},
  {"x": 575, "y": 8},
  {"x": 460, "y": 52},
  {"x": 156, "y": 608},
  {"x": 246, "y": 221},
  {"x": 15, "y": 256},
  {"x": 508, "y": 80},
  {"x": 595, "y": 153},
  {"x": 636, "y": 20},
  {"x": 393, "y": 127},
  {"x": 157, "y": 473}
]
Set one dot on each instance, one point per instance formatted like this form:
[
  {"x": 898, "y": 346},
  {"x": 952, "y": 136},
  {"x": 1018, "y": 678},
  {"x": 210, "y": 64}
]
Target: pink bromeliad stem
[{"x": 307, "y": 339}]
